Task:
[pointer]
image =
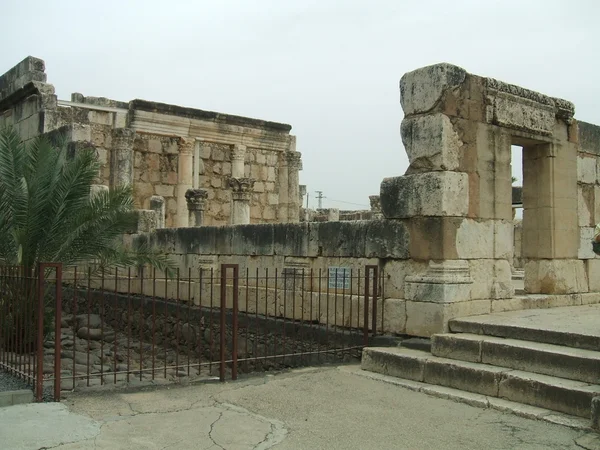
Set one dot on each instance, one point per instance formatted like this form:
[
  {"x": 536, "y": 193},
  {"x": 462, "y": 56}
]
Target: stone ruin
[
  {"x": 443, "y": 233},
  {"x": 164, "y": 150}
]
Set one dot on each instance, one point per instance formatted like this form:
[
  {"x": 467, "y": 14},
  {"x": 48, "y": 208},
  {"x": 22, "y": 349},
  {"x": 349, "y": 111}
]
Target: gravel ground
[{"x": 9, "y": 382}]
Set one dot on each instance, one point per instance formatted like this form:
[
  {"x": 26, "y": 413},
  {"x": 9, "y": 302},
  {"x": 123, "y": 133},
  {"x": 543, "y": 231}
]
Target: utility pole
[{"x": 320, "y": 197}]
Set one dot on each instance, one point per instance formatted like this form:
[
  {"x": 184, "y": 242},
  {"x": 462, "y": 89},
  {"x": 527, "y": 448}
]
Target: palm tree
[{"x": 47, "y": 212}]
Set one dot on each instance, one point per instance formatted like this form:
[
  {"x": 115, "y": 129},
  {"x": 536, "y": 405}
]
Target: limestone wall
[{"x": 162, "y": 149}]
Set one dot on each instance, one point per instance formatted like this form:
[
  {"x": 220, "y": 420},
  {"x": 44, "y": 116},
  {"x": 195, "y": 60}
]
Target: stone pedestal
[
  {"x": 122, "y": 157},
  {"x": 241, "y": 194},
  {"x": 196, "y": 204},
  {"x": 444, "y": 282},
  {"x": 157, "y": 204}
]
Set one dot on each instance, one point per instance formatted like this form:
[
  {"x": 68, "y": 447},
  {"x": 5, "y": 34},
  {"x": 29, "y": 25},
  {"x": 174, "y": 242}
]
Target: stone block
[
  {"x": 425, "y": 194},
  {"x": 146, "y": 221},
  {"x": 558, "y": 276},
  {"x": 346, "y": 239},
  {"x": 164, "y": 190},
  {"x": 586, "y": 169},
  {"x": 394, "y": 315},
  {"x": 426, "y": 319},
  {"x": 396, "y": 271},
  {"x": 586, "y": 234},
  {"x": 593, "y": 274},
  {"x": 256, "y": 239},
  {"x": 585, "y": 205},
  {"x": 465, "y": 376},
  {"x": 394, "y": 362},
  {"x": 434, "y": 237},
  {"x": 387, "y": 239},
  {"x": 596, "y": 203},
  {"x": 292, "y": 239},
  {"x": 475, "y": 239},
  {"x": 421, "y": 90},
  {"x": 513, "y": 111},
  {"x": 566, "y": 396},
  {"x": 454, "y": 346},
  {"x": 431, "y": 143}
]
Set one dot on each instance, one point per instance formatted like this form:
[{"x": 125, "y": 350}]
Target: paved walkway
[
  {"x": 326, "y": 408},
  {"x": 573, "y": 320}
]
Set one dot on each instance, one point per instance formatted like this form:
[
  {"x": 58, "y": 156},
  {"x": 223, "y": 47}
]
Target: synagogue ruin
[
  {"x": 442, "y": 233},
  {"x": 247, "y": 168}
]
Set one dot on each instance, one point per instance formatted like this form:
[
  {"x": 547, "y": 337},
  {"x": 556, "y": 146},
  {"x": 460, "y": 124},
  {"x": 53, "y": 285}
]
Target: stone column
[
  {"x": 302, "y": 193},
  {"x": 122, "y": 157},
  {"x": 185, "y": 171},
  {"x": 282, "y": 209},
  {"x": 196, "y": 204},
  {"x": 241, "y": 194},
  {"x": 157, "y": 204},
  {"x": 238, "y": 156},
  {"x": 293, "y": 179}
]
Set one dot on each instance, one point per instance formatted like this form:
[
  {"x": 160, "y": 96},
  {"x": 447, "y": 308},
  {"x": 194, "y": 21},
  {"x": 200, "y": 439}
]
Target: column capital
[
  {"x": 241, "y": 188},
  {"x": 196, "y": 199},
  {"x": 186, "y": 144},
  {"x": 238, "y": 152},
  {"x": 294, "y": 160}
]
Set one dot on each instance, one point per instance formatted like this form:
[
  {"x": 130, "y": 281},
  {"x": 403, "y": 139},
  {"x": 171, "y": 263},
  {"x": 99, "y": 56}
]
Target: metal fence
[{"x": 62, "y": 328}]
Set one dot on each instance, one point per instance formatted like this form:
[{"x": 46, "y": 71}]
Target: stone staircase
[{"x": 555, "y": 369}]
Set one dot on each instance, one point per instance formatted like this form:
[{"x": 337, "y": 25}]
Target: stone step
[
  {"x": 546, "y": 359},
  {"x": 510, "y": 325},
  {"x": 558, "y": 394}
]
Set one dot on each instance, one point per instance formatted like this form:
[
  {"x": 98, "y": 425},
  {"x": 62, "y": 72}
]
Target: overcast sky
[{"x": 330, "y": 68}]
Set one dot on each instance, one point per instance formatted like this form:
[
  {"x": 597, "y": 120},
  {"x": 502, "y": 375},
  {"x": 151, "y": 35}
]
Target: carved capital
[
  {"x": 241, "y": 184},
  {"x": 238, "y": 152},
  {"x": 294, "y": 160},
  {"x": 186, "y": 145},
  {"x": 122, "y": 138},
  {"x": 196, "y": 199},
  {"x": 241, "y": 188}
]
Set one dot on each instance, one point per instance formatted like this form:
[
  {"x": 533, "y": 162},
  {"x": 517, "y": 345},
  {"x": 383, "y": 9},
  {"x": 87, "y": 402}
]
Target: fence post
[
  {"x": 375, "y": 270},
  {"x": 39, "y": 376},
  {"x": 234, "y": 321},
  {"x": 366, "y": 309},
  {"x": 57, "y": 332}
]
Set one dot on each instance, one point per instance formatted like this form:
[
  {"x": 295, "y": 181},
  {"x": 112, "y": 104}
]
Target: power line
[{"x": 349, "y": 203}]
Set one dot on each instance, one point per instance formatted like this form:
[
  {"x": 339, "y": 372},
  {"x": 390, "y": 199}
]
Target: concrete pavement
[{"x": 322, "y": 408}]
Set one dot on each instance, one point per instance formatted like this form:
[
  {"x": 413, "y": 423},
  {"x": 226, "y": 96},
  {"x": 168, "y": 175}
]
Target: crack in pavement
[{"x": 212, "y": 425}]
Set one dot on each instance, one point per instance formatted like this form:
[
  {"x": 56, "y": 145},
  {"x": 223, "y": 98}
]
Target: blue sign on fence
[{"x": 339, "y": 277}]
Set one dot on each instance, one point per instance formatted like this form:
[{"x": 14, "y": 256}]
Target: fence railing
[{"x": 66, "y": 327}]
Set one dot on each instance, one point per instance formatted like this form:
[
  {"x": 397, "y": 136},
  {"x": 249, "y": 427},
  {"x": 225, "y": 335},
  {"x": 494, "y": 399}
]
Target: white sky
[{"x": 329, "y": 68}]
